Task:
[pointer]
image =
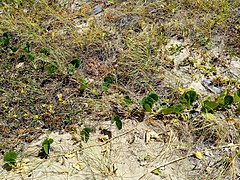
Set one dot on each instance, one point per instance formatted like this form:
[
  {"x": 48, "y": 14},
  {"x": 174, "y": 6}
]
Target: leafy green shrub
[
  {"x": 224, "y": 99},
  {"x": 175, "y": 109},
  {"x": 208, "y": 106},
  {"x": 222, "y": 102},
  {"x": 188, "y": 97},
  {"x": 44, "y": 151},
  {"x": 116, "y": 119},
  {"x": 148, "y": 101},
  {"x": 106, "y": 82},
  {"x": 73, "y": 65},
  {"x": 85, "y": 133},
  {"x": 127, "y": 100},
  {"x": 237, "y": 96},
  {"x": 10, "y": 159},
  {"x": 228, "y": 99}
]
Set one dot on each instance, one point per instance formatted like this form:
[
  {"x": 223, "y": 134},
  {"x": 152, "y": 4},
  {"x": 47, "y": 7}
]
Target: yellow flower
[
  {"x": 53, "y": 35},
  {"x": 166, "y": 100},
  {"x": 15, "y": 116},
  {"x": 22, "y": 91},
  {"x": 198, "y": 155},
  {"x": 25, "y": 115},
  {"x": 36, "y": 116},
  {"x": 59, "y": 97},
  {"x": 180, "y": 90}
]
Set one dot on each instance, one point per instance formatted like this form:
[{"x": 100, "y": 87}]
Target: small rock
[{"x": 96, "y": 10}]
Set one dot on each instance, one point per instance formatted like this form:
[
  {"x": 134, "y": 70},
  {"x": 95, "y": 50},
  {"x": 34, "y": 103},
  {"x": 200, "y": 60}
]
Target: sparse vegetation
[
  {"x": 65, "y": 66},
  {"x": 85, "y": 133},
  {"x": 44, "y": 151},
  {"x": 10, "y": 159},
  {"x": 116, "y": 119}
]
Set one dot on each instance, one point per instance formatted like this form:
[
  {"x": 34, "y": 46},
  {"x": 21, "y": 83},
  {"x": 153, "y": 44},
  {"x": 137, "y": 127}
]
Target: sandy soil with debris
[{"x": 130, "y": 154}]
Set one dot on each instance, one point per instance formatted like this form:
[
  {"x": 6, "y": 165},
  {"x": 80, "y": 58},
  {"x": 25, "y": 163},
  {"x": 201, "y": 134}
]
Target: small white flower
[{"x": 25, "y": 10}]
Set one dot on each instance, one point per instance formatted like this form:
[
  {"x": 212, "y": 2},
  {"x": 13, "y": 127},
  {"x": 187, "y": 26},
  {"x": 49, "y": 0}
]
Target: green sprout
[
  {"x": 85, "y": 133},
  {"x": 10, "y": 159},
  {"x": 116, "y": 119},
  {"x": 44, "y": 151}
]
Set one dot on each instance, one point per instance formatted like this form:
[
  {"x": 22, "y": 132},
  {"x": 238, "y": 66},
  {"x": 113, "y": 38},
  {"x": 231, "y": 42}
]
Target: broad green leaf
[
  {"x": 143, "y": 101},
  {"x": 46, "y": 141},
  {"x": 228, "y": 100},
  {"x": 46, "y": 145},
  {"x": 221, "y": 97},
  {"x": 177, "y": 109},
  {"x": 150, "y": 101},
  {"x": 127, "y": 100},
  {"x": 71, "y": 69},
  {"x": 46, "y": 148},
  {"x": 50, "y": 140},
  {"x": 117, "y": 120},
  {"x": 147, "y": 107},
  {"x": 108, "y": 79},
  {"x": 223, "y": 94},
  {"x": 119, "y": 124},
  {"x": 238, "y": 92},
  {"x": 75, "y": 63},
  {"x": 209, "y": 116},
  {"x": 85, "y": 133},
  {"x": 105, "y": 85},
  {"x": 154, "y": 96},
  {"x": 189, "y": 97},
  {"x": 10, "y": 158},
  {"x": 208, "y": 106},
  {"x": 237, "y": 96}
]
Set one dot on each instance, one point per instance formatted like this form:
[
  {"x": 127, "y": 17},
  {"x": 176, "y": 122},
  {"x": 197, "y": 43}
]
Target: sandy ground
[{"x": 132, "y": 153}]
